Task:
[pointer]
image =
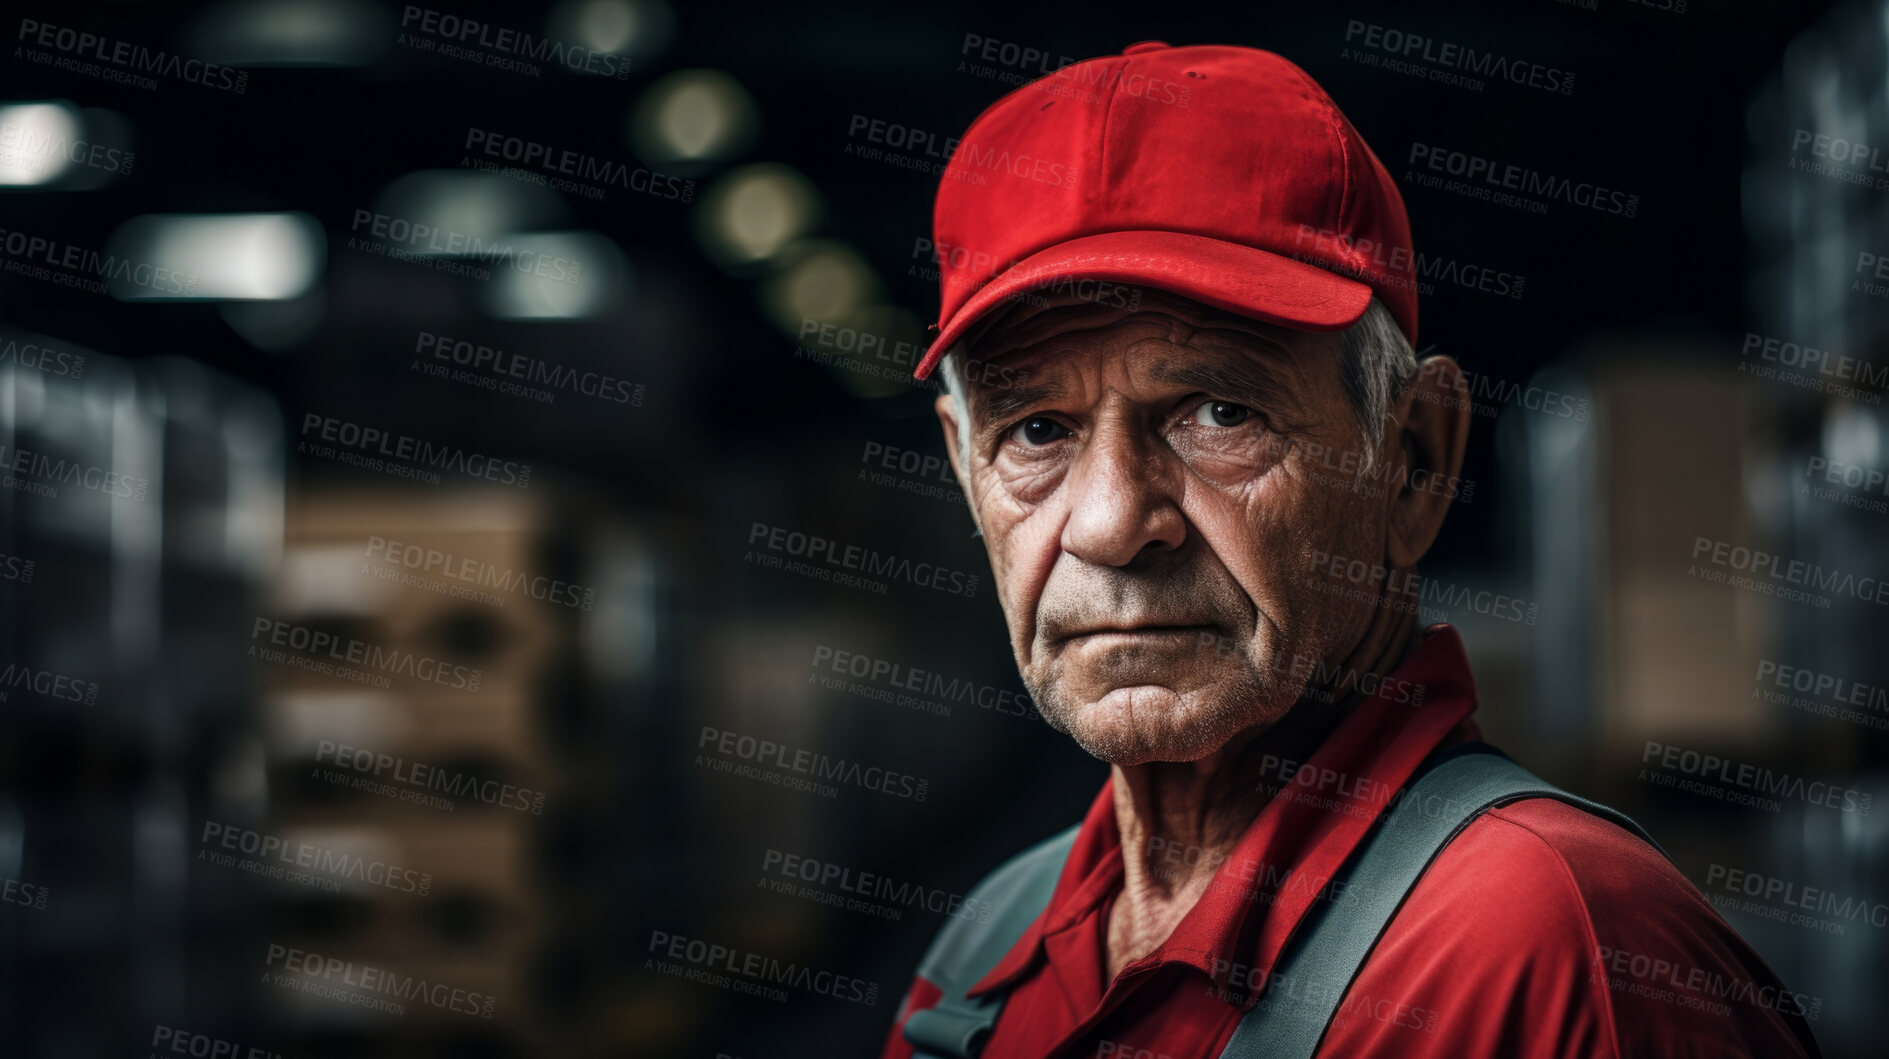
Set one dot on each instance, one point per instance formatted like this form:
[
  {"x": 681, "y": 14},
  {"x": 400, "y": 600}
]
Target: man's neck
[{"x": 1179, "y": 820}]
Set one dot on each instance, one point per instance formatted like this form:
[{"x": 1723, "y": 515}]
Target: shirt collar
[{"x": 1319, "y": 813}]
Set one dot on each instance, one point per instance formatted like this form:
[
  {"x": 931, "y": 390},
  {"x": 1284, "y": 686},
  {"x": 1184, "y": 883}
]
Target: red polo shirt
[{"x": 1540, "y": 931}]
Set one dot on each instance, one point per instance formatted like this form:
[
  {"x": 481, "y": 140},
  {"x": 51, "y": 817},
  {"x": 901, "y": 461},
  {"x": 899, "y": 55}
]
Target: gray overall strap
[
  {"x": 967, "y": 948},
  {"x": 1331, "y": 942}
]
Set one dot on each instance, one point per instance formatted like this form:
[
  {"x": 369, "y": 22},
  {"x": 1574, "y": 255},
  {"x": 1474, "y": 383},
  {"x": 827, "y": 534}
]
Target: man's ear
[
  {"x": 1432, "y": 416},
  {"x": 947, "y": 410}
]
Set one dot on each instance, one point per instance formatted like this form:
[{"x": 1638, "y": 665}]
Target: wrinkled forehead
[{"x": 1036, "y": 336}]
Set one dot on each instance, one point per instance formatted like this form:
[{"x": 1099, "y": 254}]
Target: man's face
[{"x": 1153, "y": 492}]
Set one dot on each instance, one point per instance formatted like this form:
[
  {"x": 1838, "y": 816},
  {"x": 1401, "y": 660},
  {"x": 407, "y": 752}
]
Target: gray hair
[{"x": 1376, "y": 363}]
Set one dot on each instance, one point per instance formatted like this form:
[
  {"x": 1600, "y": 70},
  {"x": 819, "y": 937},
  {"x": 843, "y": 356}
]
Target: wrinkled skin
[{"x": 1160, "y": 491}]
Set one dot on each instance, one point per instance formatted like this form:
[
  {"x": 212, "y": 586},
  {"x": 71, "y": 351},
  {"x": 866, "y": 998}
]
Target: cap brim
[{"x": 1240, "y": 279}]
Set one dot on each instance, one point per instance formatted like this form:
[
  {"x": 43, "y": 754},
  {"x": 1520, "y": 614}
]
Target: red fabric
[
  {"x": 1156, "y": 152},
  {"x": 1541, "y": 931}
]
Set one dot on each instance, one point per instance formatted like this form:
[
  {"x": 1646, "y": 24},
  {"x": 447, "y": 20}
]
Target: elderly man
[{"x": 1179, "y": 304}]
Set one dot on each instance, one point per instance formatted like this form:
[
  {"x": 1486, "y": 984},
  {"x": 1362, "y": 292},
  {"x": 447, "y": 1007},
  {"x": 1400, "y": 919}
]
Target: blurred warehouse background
[{"x": 402, "y": 408}]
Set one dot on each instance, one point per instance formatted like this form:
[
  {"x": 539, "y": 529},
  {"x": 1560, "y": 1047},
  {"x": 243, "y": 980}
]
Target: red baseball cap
[{"x": 1220, "y": 173}]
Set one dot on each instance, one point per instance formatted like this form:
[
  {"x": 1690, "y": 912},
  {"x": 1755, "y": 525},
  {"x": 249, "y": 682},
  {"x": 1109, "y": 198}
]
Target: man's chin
[{"x": 1141, "y": 723}]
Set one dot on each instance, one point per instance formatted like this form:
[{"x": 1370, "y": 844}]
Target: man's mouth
[{"x": 1145, "y": 632}]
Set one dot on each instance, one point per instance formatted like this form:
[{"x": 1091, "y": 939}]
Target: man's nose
[{"x": 1122, "y": 502}]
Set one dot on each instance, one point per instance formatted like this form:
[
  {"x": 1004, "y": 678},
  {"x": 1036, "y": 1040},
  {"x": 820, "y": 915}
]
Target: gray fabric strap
[
  {"x": 967, "y": 948},
  {"x": 1331, "y": 942},
  {"x": 1320, "y": 959}
]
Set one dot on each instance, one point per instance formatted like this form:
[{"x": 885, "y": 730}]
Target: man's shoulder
[
  {"x": 1605, "y": 867},
  {"x": 1044, "y": 855},
  {"x": 1568, "y": 927},
  {"x": 1564, "y": 884},
  {"x": 1027, "y": 874},
  {"x": 1001, "y": 905},
  {"x": 1518, "y": 895}
]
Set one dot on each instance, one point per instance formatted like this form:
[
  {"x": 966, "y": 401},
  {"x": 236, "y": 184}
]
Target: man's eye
[
  {"x": 1039, "y": 431},
  {"x": 1222, "y": 414}
]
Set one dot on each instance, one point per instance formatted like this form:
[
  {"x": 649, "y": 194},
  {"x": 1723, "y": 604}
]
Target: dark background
[{"x": 654, "y": 504}]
